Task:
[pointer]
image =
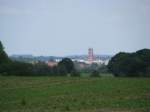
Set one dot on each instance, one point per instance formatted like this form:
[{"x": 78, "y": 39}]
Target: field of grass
[{"x": 63, "y": 94}]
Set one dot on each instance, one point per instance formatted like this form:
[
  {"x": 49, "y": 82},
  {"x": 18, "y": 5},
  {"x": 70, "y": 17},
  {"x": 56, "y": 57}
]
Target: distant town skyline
[{"x": 70, "y": 27}]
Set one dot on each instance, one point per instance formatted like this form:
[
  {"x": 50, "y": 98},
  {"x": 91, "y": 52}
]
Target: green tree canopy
[
  {"x": 131, "y": 64},
  {"x": 1, "y": 47},
  {"x": 3, "y": 56},
  {"x": 67, "y": 65}
]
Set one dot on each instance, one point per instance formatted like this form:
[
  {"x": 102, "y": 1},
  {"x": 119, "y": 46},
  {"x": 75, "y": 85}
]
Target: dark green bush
[{"x": 94, "y": 73}]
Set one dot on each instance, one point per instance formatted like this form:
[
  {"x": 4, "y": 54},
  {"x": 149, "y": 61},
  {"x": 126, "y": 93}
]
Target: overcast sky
[{"x": 67, "y": 27}]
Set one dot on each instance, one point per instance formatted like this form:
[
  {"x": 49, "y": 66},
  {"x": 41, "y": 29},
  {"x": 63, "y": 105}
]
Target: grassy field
[{"x": 62, "y": 94}]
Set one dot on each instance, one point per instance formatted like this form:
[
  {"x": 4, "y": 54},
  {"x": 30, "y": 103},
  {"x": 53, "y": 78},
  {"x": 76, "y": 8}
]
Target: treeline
[
  {"x": 9, "y": 67},
  {"x": 131, "y": 64},
  {"x": 122, "y": 65},
  {"x": 39, "y": 69}
]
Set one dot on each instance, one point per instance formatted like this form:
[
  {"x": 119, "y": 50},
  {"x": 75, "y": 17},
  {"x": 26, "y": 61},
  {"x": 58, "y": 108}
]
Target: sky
[{"x": 68, "y": 27}]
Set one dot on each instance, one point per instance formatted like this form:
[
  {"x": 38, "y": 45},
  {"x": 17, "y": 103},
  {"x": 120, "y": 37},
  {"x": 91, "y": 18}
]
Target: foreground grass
[{"x": 61, "y": 94}]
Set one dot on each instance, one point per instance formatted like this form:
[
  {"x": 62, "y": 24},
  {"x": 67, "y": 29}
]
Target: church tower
[{"x": 90, "y": 55}]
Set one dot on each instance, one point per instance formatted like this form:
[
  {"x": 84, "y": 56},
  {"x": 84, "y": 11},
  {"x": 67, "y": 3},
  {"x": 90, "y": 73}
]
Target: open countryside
[
  {"x": 63, "y": 94},
  {"x": 74, "y": 55}
]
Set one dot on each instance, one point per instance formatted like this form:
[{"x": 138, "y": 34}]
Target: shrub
[
  {"x": 75, "y": 74},
  {"x": 95, "y": 73}
]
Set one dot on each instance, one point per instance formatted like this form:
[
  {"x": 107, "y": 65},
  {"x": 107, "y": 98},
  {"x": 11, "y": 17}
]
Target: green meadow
[{"x": 74, "y": 94}]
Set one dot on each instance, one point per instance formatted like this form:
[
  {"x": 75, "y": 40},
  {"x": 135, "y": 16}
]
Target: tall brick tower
[{"x": 90, "y": 55}]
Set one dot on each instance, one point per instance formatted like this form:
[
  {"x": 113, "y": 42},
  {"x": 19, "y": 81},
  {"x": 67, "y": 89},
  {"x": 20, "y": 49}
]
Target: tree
[
  {"x": 16, "y": 68},
  {"x": 131, "y": 64},
  {"x": 41, "y": 69},
  {"x": 3, "y": 56},
  {"x": 62, "y": 70},
  {"x": 66, "y": 66},
  {"x": 1, "y": 47}
]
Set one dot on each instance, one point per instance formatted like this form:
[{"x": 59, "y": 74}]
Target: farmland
[{"x": 74, "y": 94}]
